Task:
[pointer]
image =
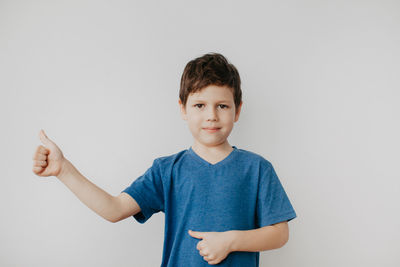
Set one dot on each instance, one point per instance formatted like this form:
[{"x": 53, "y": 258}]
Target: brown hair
[{"x": 210, "y": 69}]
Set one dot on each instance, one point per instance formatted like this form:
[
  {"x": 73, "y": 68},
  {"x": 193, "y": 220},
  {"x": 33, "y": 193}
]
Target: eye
[{"x": 222, "y": 106}]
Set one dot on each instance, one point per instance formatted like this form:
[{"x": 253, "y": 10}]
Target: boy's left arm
[
  {"x": 260, "y": 239},
  {"x": 215, "y": 246}
]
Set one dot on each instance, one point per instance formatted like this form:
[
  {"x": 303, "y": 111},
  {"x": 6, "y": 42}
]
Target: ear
[
  {"x": 238, "y": 111},
  {"x": 183, "y": 110}
]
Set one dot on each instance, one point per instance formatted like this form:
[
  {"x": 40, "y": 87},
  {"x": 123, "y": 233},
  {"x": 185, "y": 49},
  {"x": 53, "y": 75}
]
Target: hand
[
  {"x": 214, "y": 246},
  {"x": 47, "y": 161}
]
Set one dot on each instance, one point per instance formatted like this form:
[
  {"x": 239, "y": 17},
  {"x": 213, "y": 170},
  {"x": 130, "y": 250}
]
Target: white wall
[{"x": 320, "y": 83}]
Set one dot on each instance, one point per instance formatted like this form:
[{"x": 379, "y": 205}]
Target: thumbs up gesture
[
  {"x": 214, "y": 246},
  {"x": 47, "y": 159}
]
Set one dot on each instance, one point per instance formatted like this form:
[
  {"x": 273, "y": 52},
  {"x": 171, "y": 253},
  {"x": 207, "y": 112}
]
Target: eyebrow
[{"x": 218, "y": 101}]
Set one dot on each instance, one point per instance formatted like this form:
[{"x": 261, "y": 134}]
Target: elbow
[
  {"x": 115, "y": 214},
  {"x": 283, "y": 233},
  {"x": 113, "y": 220},
  {"x": 284, "y": 239}
]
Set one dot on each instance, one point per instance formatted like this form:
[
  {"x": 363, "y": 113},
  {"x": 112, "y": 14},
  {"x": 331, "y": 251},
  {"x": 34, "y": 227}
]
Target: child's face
[{"x": 212, "y": 107}]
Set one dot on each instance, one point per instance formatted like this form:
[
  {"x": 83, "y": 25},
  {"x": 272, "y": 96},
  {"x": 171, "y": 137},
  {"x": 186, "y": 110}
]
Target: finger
[
  {"x": 40, "y": 150},
  {"x": 43, "y": 137},
  {"x": 37, "y": 151},
  {"x": 206, "y": 258},
  {"x": 40, "y": 156},
  {"x": 43, "y": 150},
  {"x": 195, "y": 234},
  {"x": 200, "y": 245},
  {"x": 40, "y": 163},
  {"x": 37, "y": 170},
  {"x": 204, "y": 252}
]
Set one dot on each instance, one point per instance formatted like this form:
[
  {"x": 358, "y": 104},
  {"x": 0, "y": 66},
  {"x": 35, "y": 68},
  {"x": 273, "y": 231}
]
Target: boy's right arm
[
  {"x": 111, "y": 208},
  {"x": 49, "y": 161}
]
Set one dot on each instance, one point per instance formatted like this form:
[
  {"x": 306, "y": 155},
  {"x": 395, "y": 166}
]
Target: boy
[{"x": 222, "y": 204}]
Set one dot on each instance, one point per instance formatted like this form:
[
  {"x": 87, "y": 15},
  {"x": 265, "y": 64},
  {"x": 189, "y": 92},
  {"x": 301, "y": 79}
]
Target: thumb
[
  {"x": 196, "y": 234},
  {"x": 43, "y": 137}
]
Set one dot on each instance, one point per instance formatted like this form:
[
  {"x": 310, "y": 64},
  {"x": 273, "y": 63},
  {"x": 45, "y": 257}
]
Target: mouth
[{"x": 211, "y": 130}]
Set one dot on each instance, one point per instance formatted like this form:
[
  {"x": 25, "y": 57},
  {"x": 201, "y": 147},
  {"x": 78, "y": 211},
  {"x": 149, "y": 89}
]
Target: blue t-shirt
[{"x": 240, "y": 192}]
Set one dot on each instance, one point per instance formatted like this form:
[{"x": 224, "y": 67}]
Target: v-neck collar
[{"x": 205, "y": 162}]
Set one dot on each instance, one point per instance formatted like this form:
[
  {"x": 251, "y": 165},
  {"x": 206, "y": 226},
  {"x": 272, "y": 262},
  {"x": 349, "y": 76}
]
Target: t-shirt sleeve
[
  {"x": 147, "y": 190},
  {"x": 273, "y": 205}
]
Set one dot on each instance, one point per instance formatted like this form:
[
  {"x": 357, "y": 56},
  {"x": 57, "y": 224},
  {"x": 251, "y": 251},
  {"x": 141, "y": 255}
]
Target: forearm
[
  {"x": 91, "y": 195},
  {"x": 264, "y": 238}
]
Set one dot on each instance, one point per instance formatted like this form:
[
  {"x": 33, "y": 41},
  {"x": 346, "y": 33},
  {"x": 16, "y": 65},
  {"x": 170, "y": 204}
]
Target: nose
[{"x": 212, "y": 114}]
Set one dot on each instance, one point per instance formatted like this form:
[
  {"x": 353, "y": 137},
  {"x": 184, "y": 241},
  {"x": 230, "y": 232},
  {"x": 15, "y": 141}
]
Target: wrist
[
  {"x": 233, "y": 240},
  {"x": 65, "y": 169}
]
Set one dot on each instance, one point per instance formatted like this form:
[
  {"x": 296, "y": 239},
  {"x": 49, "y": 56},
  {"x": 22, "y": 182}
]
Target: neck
[{"x": 215, "y": 150}]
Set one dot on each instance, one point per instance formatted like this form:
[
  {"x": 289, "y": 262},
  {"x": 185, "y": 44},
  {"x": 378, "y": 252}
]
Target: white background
[{"x": 320, "y": 83}]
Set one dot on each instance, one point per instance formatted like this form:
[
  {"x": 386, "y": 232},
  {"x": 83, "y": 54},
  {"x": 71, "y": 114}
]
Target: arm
[
  {"x": 50, "y": 161},
  {"x": 107, "y": 206},
  {"x": 264, "y": 238},
  {"x": 215, "y": 246}
]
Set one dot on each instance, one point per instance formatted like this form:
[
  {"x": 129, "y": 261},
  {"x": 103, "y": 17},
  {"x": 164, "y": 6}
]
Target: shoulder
[
  {"x": 170, "y": 159},
  {"x": 254, "y": 158}
]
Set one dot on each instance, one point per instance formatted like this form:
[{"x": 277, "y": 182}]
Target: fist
[
  {"x": 214, "y": 246},
  {"x": 48, "y": 159}
]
